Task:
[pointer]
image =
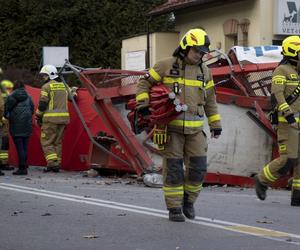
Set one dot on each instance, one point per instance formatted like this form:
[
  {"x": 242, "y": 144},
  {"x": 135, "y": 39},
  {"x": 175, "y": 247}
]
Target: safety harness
[{"x": 273, "y": 115}]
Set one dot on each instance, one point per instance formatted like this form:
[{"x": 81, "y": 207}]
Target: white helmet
[{"x": 50, "y": 70}]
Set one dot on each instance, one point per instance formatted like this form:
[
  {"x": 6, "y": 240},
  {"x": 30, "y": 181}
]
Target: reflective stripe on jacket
[
  {"x": 285, "y": 80},
  {"x": 196, "y": 90},
  {"x": 55, "y": 94}
]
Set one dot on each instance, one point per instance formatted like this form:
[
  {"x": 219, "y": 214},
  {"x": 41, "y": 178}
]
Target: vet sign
[{"x": 287, "y": 17}]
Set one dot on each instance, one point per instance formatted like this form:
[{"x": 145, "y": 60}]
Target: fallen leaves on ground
[{"x": 90, "y": 236}]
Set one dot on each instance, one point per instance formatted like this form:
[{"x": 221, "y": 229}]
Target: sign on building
[
  {"x": 135, "y": 60},
  {"x": 287, "y": 17},
  {"x": 55, "y": 55}
]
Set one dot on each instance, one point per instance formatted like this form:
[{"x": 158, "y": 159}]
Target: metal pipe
[
  {"x": 76, "y": 71},
  {"x": 148, "y": 44}
]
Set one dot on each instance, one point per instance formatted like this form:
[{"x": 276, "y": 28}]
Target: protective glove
[
  {"x": 39, "y": 120},
  {"x": 74, "y": 89},
  {"x": 160, "y": 136},
  {"x": 143, "y": 107},
  {"x": 74, "y": 93},
  {"x": 290, "y": 118},
  {"x": 292, "y": 121},
  {"x": 215, "y": 132}
]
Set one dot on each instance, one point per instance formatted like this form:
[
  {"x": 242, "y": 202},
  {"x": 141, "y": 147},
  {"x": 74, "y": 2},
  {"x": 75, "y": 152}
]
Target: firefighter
[
  {"x": 183, "y": 140},
  {"x": 285, "y": 91},
  {"x": 52, "y": 115},
  {"x": 6, "y": 87}
]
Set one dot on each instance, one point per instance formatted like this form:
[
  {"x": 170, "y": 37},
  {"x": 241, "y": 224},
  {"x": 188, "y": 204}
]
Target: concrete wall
[
  {"x": 242, "y": 149},
  {"x": 138, "y": 43},
  {"x": 164, "y": 45},
  {"x": 265, "y": 9}
]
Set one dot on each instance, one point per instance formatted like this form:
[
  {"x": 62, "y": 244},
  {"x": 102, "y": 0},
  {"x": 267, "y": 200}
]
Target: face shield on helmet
[
  {"x": 49, "y": 70},
  {"x": 196, "y": 38}
]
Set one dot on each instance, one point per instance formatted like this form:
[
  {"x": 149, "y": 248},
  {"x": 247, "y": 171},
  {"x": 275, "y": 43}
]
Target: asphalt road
[{"x": 66, "y": 211}]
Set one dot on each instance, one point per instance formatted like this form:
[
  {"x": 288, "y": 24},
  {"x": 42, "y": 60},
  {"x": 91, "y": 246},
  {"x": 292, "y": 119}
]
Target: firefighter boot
[
  {"x": 1, "y": 173},
  {"x": 53, "y": 167},
  {"x": 6, "y": 167},
  {"x": 47, "y": 169},
  {"x": 56, "y": 167},
  {"x": 188, "y": 210},
  {"x": 175, "y": 214},
  {"x": 22, "y": 170},
  {"x": 295, "y": 198},
  {"x": 260, "y": 189}
]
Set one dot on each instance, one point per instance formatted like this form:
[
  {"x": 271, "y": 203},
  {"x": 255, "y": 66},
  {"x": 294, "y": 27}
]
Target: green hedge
[{"x": 93, "y": 29}]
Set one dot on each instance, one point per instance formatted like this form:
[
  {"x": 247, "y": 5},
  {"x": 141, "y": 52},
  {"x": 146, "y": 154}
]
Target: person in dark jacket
[{"x": 18, "y": 110}]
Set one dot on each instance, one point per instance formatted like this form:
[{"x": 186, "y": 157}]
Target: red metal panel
[
  {"x": 134, "y": 151},
  {"x": 246, "y": 68},
  {"x": 242, "y": 181}
]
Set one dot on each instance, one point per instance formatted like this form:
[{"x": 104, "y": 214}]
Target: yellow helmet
[
  {"x": 291, "y": 46},
  {"x": 7, "y": 84},
  {"x": 196, "y": 38}
]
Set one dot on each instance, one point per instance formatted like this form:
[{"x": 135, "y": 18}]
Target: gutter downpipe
[{"x": 148, "y": 43}]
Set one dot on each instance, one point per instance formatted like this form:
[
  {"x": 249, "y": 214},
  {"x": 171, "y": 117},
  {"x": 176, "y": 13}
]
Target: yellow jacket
[
  {"x": 53, "y": 105},
  {"x": 196, "y": 91}
]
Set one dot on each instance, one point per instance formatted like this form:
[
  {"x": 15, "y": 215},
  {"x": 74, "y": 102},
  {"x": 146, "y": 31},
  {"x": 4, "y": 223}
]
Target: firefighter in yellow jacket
[
  {"x": 6, "y": 87},
  {"x": 285, "y": 91},
  {"x": 52, "y": 115},
  {"x": 185, "y": 142}
]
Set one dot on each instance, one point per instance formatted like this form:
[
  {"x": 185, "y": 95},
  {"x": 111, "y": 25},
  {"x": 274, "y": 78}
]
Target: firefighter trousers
[
  {"x": 184, "y": 167},
  {"x": 4, "y": 144},
  {"x": 288, "y": 143},
  {"x": 51, "y": 140}
]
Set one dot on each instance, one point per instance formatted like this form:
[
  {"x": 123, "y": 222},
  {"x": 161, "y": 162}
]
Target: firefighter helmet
[
  {"x": 7, "y": 84},
  {"x": 49, "y": 70},
  {"x": 197, "y": 38},
  {"x": 291, "y": 46}
]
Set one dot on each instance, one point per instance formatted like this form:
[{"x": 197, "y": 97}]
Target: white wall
[
  {"x": 242, "y": 149},
  {"x": 162, "y": 44},
  {"x": 259, "y": 12},
  {"x": 137, "y": 43}
]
